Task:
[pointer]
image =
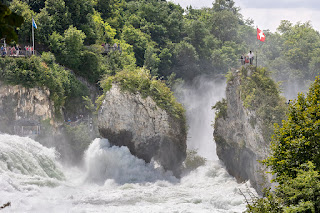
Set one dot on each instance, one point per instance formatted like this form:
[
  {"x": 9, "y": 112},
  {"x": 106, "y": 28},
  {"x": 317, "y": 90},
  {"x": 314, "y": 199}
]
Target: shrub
[
  {"x": 37, "y": 72},
  {"x": 193, "y": 160},
  {"x": 261, "y": 94},
  {"x": 140, "y": 80},
  {"x": 221, "y": 109},
  {"x": 90, "y": 68},
  {"x": 295, "y": 158},
  {"x": 297, "y": 141}
]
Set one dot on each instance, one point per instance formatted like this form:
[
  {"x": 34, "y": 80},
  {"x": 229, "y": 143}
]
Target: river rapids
[{"x": 112, "y": 180}]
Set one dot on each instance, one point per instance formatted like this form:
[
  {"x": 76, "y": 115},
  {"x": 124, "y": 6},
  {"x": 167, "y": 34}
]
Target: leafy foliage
[
  {"x": 299, "y": 194},
  {"x": 221, "y": 109},
  {"x": 8, "y": 22},
  {"x": 296, "y": 142},
  {"x": 193, "y": 160},
  {"x": 260, "y": 93},
  {"x": 269, "y": 203},
  {"x": 141, "y": 81},
  {"x": 167, "y": 39},
  {"x": 42, "y": 72},
  {"x": 292, "y": 52},
  {"x": 295, "y": 158},
  {"x": 78, "y": 138}
]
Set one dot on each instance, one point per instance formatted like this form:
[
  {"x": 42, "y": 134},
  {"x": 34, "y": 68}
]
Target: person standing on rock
[
  {"x": 250, "y": 55},
  {"x": 242, "y": 60}
]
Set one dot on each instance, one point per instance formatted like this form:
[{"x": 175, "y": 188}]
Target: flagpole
[
  {"x": 32, "y": 37},
  {"x": 256, "y": 60}
]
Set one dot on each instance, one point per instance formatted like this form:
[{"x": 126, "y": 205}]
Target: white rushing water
[
  {"x": 113, "y": 180},
  {"x": 198, "y": 99}
]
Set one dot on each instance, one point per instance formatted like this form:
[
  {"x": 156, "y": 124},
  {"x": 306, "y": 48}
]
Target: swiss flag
[{"x": 260, "y": 35}]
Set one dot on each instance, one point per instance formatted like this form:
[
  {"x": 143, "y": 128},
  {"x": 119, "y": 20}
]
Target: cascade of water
[
  {"x": 198, "y": 99},
  {"x": 115, "y": 181},
  {"x": 104, "y": 162},
  {"x": 23, "y": 156}
]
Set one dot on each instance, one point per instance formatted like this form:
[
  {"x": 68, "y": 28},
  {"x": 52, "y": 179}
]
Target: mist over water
[
  {"x": 105, "y": 162},
  {"x": 198, "y": 99},
  {"x": 112, "y": 180},
  {"x": 293, "y": 87}
]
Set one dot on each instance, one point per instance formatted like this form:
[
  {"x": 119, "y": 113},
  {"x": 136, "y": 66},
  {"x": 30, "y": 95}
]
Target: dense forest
[
  {"x": 163, "y": 37},
  {"x": 175, "y": 43}
]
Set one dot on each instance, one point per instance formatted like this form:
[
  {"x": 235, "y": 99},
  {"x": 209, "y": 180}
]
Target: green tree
[
  {"x": 73, "y": 44},
  {"x": 68, "y": 47},
  {"x": 78, "y": 11},
  {"x": 151, "y": 60},
  {"x": 111, "y": 11},
  {"x": 302, "y": 193},
  {"x": 224, "y": 25},
  {"x": 45, "y": 26},
  {"x": 59, "y": 13},
  {"x": 23, "y": 9},
  {"x": 196, "y": 33},
  {"x": 185, "y": 61},
  {"x": 8, "y": 22},
  {"x": 139, "y": 40},
  {"x": 97, "y": 30},
  {"x": 296, "y": 142},
  {"x": 35, "y": 5},
  {"x": 90, "y": 66},
  {"x": 228, "y": 5},
  {"x": 298, "y": 51},
  {"x": 299, "y": 194}
]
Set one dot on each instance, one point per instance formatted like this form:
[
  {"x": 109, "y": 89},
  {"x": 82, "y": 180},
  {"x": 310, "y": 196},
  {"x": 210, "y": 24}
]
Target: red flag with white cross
[{"x": 260, "y": 35}]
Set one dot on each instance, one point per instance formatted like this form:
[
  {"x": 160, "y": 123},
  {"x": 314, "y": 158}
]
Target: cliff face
[
  {"x": 127, "y": 119},
  {"x": 239, "y": 139},
  {"x": 17, "y": 102}
]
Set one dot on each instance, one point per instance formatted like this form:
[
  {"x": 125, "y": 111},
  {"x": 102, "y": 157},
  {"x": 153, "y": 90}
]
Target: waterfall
[{"x": 198, "y": 98}]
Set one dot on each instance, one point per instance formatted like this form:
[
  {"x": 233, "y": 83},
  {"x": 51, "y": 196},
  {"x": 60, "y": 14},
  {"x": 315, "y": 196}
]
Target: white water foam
[
  {"x": 25, "y": 165},
  {"x": 115, "y": 181},
  {"x": 198, "y": 99},
  {"x": 105, "y": 162}
]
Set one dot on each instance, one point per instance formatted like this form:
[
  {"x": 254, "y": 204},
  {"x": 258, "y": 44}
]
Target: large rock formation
[
  {"x": 239, "y": 139},
  {"x": 18, "y": 102},
  {"x": 148, "y": 131}
]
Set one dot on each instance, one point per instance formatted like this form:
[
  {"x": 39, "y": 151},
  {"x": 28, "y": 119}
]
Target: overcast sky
[{"x": 267, "y": 14}]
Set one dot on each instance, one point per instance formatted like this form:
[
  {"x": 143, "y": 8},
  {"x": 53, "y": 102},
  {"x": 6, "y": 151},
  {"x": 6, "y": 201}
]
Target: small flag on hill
[
  {"x": 260, "y": 35},
  {"x": 34, "y": 24}
]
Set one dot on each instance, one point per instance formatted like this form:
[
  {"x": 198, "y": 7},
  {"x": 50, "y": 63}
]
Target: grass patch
[
  {"x": 141, "y": 81},
  {"x": 45, "y": 73},
  {"x": 261, "y": 94}
]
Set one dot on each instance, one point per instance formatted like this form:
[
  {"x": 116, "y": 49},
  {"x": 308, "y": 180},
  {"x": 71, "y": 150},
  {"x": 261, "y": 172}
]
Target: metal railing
[
  {"x": 18, "y": 53},
  {"x": 108, "y": 48}
]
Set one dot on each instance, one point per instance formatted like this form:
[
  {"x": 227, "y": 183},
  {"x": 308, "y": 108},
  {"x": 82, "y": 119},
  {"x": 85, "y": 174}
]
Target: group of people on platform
[
  {"x": 247, "y": 59},
  {"x": 15, "y": 50},
  {"x": 107, "y": 47}
]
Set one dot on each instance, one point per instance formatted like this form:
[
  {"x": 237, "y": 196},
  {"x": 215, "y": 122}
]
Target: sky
[{"x": 267, "y": 14}]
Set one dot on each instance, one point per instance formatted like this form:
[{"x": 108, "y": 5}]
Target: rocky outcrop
[
  {"x": 127, "y": 119},
  {"x": 18, "y": 102},
  {"x": 239, "y": 139}
]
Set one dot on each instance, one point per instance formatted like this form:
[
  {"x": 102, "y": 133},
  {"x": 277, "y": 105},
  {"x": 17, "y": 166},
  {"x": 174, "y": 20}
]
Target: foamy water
[
  {"x": 112, "y": 180},
  {"x": 103, "y": 186},
  {"x": 198, "y": 98}
]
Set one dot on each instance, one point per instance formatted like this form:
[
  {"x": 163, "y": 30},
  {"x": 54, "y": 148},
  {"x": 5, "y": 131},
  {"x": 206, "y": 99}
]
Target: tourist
[{"x": 250, "y": 55}]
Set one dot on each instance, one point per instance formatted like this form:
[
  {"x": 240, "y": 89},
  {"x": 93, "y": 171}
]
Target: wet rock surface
[{"x": 127, "y": 119}]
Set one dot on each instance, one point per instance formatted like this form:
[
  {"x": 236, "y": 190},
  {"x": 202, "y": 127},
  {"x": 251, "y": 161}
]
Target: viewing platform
[{"x": 110, "y": 48}]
